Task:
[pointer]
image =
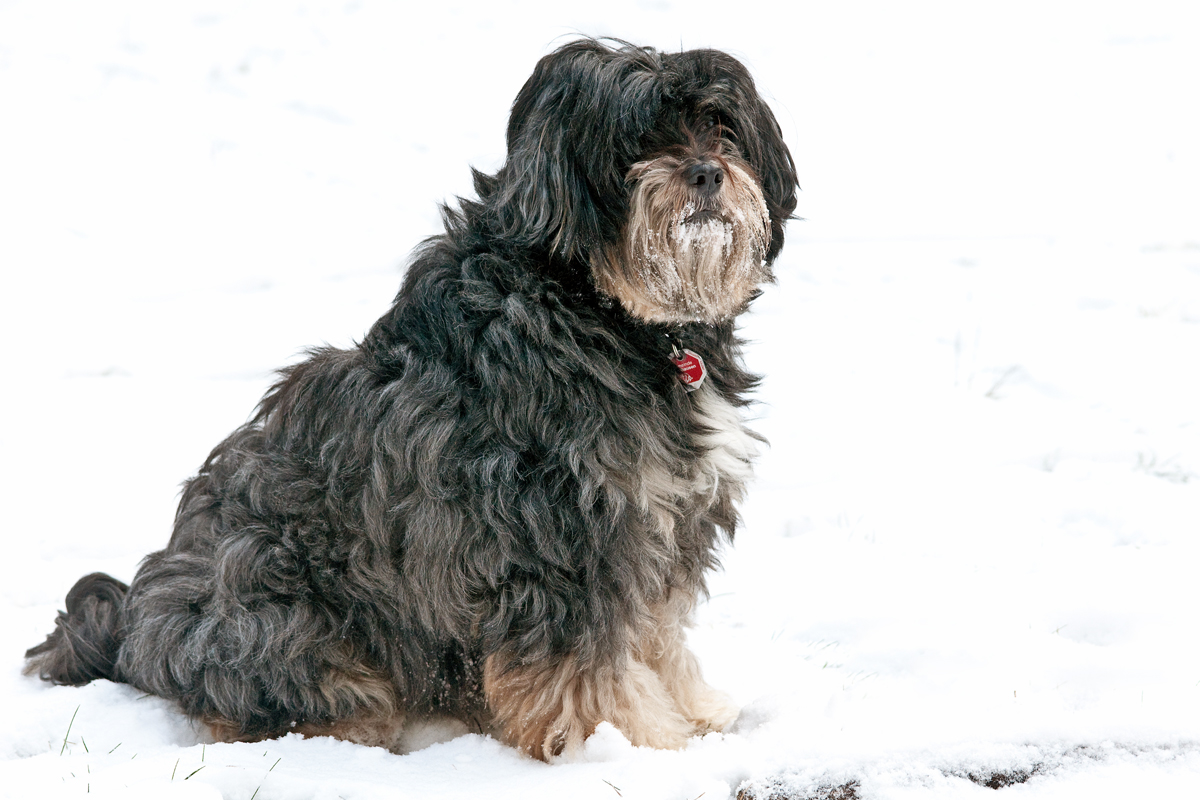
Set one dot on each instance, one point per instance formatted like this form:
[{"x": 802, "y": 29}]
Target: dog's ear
[
  {"x": 573, "y": 133},
  {"x": 770, "y": 157}
]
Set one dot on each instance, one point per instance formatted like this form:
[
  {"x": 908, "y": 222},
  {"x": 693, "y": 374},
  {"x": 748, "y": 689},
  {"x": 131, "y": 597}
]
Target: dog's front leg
[
  {"x": 663, "y": 646},
  {"x": 549, "y": 707}
]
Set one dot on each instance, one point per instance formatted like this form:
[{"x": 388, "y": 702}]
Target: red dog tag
[{"x": 691, "y": 370}]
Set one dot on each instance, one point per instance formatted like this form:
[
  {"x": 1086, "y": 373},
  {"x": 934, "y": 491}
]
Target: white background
[{"x": 973, "y": 543}]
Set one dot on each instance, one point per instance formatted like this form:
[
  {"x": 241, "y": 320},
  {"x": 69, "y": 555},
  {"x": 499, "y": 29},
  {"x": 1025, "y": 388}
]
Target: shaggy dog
[{"x": 501, "y": 505}]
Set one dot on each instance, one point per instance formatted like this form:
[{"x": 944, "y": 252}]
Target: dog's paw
[
  {"x": 710, "y": 710},
  {"x": 638, "y": 706}
]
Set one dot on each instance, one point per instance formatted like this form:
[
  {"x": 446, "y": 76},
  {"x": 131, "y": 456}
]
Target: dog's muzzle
[{"x": 694, "y": 245}]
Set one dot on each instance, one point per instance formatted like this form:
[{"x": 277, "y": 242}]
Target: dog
[{"x": 500, "y": 506}]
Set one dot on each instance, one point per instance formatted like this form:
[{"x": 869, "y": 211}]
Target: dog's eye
[{"x": 709, "y": 123}]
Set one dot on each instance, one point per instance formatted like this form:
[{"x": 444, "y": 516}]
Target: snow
[{"x": 971, "y": 547}]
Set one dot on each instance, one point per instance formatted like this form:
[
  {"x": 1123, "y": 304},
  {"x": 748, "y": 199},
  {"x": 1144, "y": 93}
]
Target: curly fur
[{"x": 501, "y": 505}]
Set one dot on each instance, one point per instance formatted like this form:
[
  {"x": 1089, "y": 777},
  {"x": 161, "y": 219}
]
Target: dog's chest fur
[
  {"x": 554, "y": 432},
  {"x": 729, "y": 448},
  {"x": 553, "y": 386},
  {"x": 722, "y": 464}
]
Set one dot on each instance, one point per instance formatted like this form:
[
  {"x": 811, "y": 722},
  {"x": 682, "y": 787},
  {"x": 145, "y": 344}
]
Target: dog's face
[{"x": 664, "y": 174}]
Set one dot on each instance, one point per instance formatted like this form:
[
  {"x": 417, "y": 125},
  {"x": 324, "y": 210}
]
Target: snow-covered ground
[{"x": 973, "y": 546}]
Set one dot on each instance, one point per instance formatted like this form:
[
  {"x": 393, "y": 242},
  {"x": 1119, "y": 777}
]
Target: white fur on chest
[
  {"x": 665, "y": 489},
  {"x": 729, "y": 447}
]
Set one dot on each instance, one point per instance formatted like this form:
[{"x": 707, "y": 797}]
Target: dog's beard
[{"x": 683, "y": 257}]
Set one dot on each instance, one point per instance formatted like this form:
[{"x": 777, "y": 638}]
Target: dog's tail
[{"x": 86, "y": 636}]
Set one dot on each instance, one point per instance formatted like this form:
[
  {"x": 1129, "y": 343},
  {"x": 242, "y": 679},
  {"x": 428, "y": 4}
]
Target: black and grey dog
[{"x": 501, "y": 505}]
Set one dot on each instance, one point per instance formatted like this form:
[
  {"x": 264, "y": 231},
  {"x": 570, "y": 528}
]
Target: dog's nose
[{"x": 705, "y": 177}]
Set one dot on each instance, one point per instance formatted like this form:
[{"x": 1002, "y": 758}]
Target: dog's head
[{"x": 664, "y": 173}]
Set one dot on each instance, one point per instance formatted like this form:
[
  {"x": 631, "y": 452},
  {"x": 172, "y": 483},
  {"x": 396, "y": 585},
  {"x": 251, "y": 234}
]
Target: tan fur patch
[
  {"x": 224, "y": 730},
  {"x": 356, "y": 686},
  {"x": 361, "y": 702},
  {"x": 369, "y": 729},
  {"x": 664, "y": 648},
  {"x": 549, "y": 709}
]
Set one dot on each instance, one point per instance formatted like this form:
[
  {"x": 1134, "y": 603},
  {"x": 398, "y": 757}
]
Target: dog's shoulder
[{"x": 489, "y": 315}]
